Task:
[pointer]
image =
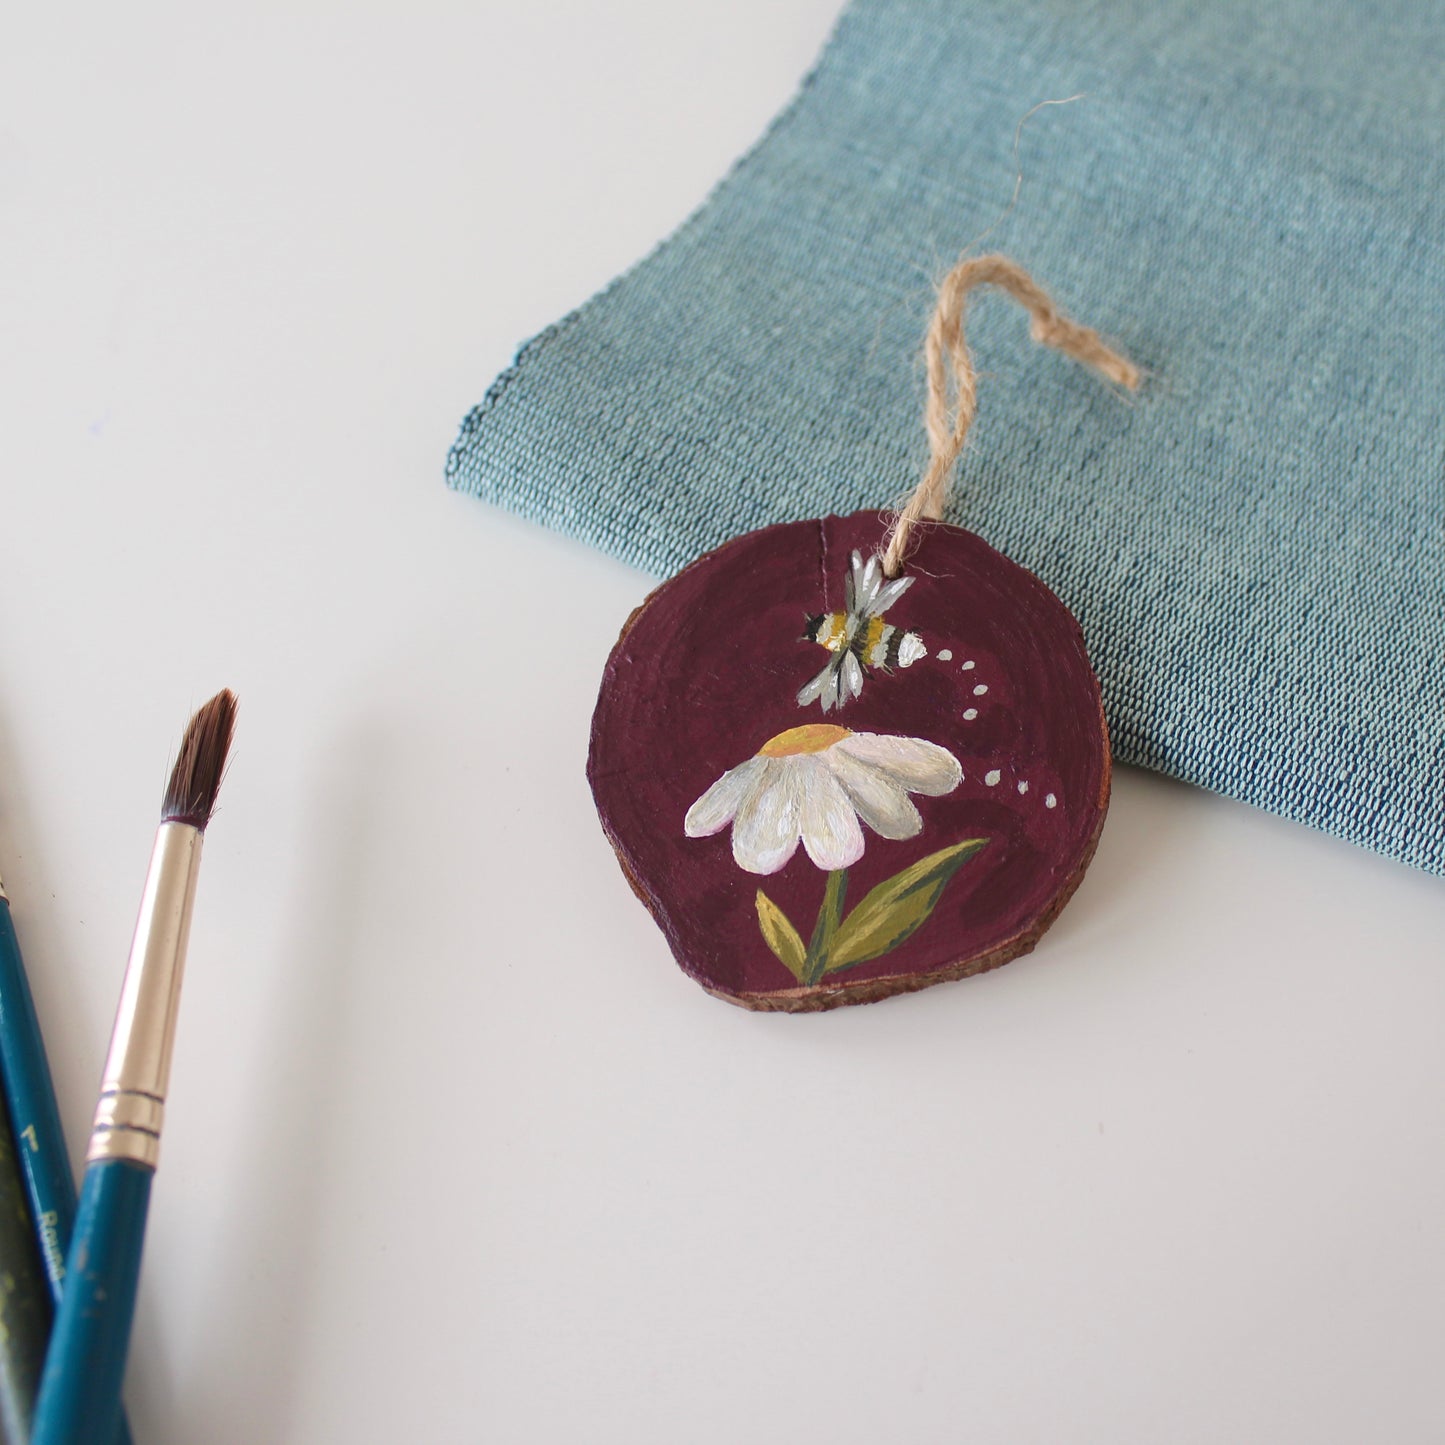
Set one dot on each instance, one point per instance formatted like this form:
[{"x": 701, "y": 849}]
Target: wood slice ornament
[{"x": 839, "y": 759}]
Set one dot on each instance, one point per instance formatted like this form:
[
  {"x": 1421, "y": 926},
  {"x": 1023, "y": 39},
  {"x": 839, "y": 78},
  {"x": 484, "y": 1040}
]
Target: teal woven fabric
[{"x": 1249, "y": 200}]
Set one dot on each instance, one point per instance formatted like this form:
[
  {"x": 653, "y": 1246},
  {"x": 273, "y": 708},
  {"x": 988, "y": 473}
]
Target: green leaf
[
  {"x": 897, "y": 907},
  {"x": 781, "y": 936},
  {"x": 830, "y": 915}
]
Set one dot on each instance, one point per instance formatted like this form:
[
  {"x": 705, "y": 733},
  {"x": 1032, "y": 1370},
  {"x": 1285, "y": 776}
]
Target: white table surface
[{"x": 455, "y": 1153}]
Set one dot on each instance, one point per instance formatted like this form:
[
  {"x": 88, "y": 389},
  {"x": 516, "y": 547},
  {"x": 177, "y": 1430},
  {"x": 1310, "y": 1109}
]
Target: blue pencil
[
  {"x": 79, "y": 1400},
  {"x": 34, "y": 1116}
]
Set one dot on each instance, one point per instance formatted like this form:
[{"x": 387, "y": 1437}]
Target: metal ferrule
[{"x": 133, "y": 1090}]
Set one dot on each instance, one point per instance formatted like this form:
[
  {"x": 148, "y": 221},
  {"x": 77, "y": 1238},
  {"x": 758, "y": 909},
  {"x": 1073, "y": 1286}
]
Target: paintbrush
[
  {"x": 30, "y": 1098},
  {"x": 24, "y": 1303},
  {"x": 79, "y": 1401},
  {"x": 41, "y": 1156},
  {"x": 35, "y": 1147}
]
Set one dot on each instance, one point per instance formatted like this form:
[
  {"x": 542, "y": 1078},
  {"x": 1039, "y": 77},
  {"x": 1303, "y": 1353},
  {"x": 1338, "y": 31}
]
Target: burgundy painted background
[{"x": 709, "y": 668}]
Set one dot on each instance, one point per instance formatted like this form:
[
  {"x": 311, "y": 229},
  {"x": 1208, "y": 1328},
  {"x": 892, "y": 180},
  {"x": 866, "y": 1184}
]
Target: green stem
[{"x": 830, "y": 915}]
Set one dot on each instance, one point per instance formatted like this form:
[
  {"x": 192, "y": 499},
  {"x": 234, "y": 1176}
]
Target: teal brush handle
[
  {"x": 79, "y": 1402},
  {"x": 30, "y": 1097},
  {"x": 35, "y": 1119},
  {"x": 24, "y": 1301}
]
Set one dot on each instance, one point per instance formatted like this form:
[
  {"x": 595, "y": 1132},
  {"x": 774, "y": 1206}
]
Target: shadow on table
[{"x": 271, "y": 1239}]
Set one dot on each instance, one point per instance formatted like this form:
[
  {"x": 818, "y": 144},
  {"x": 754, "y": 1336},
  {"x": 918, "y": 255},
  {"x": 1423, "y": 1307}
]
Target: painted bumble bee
[{"x": 858, "y": 638}]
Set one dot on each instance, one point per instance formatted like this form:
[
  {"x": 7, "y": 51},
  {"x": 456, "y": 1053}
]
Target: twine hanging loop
[{"x": 949, "y": 411}]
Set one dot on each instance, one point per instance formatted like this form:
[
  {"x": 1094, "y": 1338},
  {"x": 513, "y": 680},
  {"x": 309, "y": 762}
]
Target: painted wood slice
[{"x": 829, "y": 788}]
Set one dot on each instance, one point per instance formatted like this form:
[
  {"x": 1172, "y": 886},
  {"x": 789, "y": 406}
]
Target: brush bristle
[{"x": 196, "y": 777}]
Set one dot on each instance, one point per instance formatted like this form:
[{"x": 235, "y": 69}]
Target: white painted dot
[
  {"x": 969, "y": 713},
  {"x": 968, "y": 666},
  {"x": 992, "y": 778},
  {"x": 980, "y": 689},
  {"x": 1051, "y": 801},
  {"x": 1023, "y": 787},
  {"x": 945, "y": 654}
]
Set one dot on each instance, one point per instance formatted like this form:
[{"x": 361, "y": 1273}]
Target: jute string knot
[{"x": 948, "y": 415}]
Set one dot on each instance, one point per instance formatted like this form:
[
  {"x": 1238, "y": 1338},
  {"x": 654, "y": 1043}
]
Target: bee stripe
[
  {"x": 896, "y": 644},
  {"x": 827, "y": 630},
  {"x": 878, "y": 652}
]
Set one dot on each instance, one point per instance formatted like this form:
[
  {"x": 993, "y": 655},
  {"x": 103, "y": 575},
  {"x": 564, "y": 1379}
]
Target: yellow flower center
[{"x": 810, "y": 738}]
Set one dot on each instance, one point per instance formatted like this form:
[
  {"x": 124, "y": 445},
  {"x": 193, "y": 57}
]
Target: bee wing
[
  {"x": 862, "y": 583},
  {"x": 888, "y": 595},
  {"x": 867, "y": 588},
  {"x": 852, "y": 673},
  {"x": 812, "y": 691},
  {"x": 830, "y": 690}
]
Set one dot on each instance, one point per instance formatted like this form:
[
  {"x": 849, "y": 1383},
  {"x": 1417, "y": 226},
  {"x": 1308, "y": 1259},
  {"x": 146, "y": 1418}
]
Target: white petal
[
  {"x": 852, "y": 673},
  {"x": 829, "y": 825},
  {"x": 912, "y": 763},
  {"x": 716, "y": 808},
  {"x": 880, "y": 802},
  {"x": 765, "y": 832}
]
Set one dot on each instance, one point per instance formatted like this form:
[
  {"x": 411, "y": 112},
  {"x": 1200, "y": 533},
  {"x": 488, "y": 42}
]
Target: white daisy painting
[{"x": 817, "y": 785}]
